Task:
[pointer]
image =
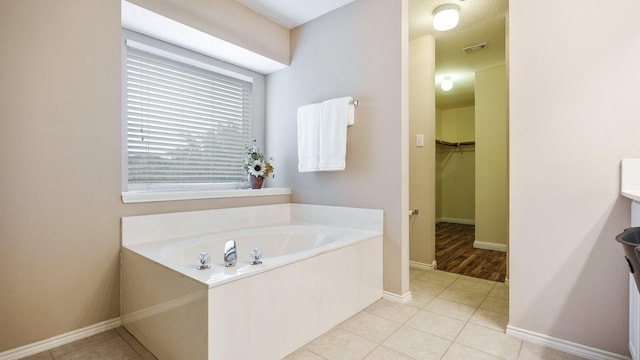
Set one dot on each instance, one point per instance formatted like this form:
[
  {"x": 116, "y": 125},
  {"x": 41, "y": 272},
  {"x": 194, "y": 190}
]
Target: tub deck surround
[
  {"x": 327, "y": 268},
  {"x": 280, "y": 244}
]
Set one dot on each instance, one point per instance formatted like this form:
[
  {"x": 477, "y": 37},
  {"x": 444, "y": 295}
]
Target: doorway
[{"x": 467, "y": 132}]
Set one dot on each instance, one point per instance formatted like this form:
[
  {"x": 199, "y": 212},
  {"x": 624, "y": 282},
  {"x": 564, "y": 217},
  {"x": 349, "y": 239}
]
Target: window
[{"x": 187, "y": 121}]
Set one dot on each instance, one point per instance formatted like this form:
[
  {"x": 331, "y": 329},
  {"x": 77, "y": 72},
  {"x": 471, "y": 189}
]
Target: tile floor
[
  {"x": 113, "y": 344},
  {"x": 451, "y": 317}
]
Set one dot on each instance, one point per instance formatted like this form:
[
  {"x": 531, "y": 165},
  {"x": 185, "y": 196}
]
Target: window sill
[{"x": 130, "y": 197}]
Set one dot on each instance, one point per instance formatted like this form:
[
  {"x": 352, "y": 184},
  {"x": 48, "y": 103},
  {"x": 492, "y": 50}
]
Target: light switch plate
[{"x": 419, "y": 140}]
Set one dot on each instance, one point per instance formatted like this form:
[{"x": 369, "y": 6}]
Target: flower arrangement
[{"x": 255, "y": 164}]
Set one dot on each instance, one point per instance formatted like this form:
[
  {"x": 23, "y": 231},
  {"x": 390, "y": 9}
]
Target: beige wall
[
  {"x": 355, "y": 51},
  {"x": 227, "y": 20},
  {"x": 455, "y": 168},
  {"x": 573, "y": 116},
  {"x": 458, "y": 124},
  {"x": 422, "y": 159},
  {"x": 492, "y": 189},
  {"x": 60, "y": 181}
]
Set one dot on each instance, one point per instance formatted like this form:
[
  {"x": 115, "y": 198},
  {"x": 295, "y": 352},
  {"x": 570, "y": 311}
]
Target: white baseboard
[
  {"x": 456, "y": 221},
  {"x": 423, "y": 266},
  {"x": 563, "y": 345},
  {"x": 403, "y": 299},
  {"x": 63, "y": 339},
  {"x": 489, "y": 246}
]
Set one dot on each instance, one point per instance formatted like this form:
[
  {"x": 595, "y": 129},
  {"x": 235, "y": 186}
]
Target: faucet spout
[{"x": 230, "y": 255}]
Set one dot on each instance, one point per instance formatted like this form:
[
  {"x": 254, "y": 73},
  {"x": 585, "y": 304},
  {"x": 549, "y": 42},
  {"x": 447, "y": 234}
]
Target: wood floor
[{"x": 455, "y": 253}]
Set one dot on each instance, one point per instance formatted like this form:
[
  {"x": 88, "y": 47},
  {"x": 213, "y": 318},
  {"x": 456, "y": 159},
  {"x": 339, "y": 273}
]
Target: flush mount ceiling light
[
  {"x": 446, "y": 17},
  {"x": 446, "y": 84}
]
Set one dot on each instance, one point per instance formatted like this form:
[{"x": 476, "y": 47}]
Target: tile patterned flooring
[
  {"x": 113, "y": 344},
  {"x": 451, "y": 317}
]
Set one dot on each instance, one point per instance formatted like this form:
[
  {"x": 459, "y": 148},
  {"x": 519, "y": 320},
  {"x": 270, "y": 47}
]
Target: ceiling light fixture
[
  {"x": 446, "y": 84},
  {"x": 446, "y": 17}
]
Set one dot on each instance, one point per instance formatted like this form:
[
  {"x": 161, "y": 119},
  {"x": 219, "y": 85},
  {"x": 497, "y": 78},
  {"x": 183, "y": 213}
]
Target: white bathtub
[{"x": 313, "y": 277}]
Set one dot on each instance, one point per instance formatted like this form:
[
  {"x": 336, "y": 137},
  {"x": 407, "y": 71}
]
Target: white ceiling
[
  {"x": 480, "y": 21},
  {"x": 292, "y": 13}
]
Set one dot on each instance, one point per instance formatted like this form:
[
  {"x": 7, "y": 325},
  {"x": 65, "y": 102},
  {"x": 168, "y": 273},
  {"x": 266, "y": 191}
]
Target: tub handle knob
[
  {"x": 256, "y": 255},
  {"x": 204, "y": 260},
  {"x": 230, "y": 255}
]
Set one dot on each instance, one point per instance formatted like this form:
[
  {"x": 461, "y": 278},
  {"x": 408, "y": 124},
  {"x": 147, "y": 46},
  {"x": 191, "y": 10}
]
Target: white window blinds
[{"x": 185, "y": 124}]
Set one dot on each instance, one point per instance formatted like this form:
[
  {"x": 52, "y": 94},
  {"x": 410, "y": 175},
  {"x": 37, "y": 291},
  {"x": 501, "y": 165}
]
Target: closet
[{"x": 455, "y": 165}]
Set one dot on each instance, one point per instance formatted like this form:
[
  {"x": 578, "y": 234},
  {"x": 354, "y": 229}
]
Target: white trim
[
  {"x": 59, "y": 340},
  {"x": 419, "y": 265},
  {"x": 489, "y": 246},
  {"x": 569, "y": 347},
  {"x": 423, "y": 266},
  {"x": 456, "y": 221},
  {"x": 148, "y": 196},
  {"x": 403, "y": 299}
]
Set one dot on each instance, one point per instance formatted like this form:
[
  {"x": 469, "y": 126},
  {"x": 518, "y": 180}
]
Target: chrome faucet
[
  {"x": 230, "y": 255},
  {"x": 256, "y": 255},
  {"x": 204, "y": 260}
]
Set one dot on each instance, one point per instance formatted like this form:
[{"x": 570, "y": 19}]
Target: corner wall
[
  {"x": 573, "y": 116},
  {"x": 356, "y": 51}
]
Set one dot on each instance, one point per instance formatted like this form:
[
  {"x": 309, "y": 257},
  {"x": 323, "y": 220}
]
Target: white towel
[
  {"x": 308, "y": 137},
  {"x": 335, "y": 116}
]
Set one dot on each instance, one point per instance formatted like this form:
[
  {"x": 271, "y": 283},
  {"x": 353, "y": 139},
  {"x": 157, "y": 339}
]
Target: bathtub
[{"x": 320, "y": 266}]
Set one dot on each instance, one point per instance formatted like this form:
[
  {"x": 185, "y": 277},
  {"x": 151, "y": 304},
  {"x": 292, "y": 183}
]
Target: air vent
[{"x": 474, "y": 48}]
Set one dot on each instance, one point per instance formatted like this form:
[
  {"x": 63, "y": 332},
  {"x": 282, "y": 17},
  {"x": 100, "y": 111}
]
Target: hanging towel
[
  {"x": 308, "y": 137},
  {"x": 335, "y": 116}
]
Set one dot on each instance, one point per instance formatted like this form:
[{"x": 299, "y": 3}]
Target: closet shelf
[{"x": 456, "y": 144}]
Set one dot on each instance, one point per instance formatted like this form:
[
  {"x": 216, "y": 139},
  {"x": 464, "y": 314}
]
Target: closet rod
[{"x": 458, "y": 144}]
